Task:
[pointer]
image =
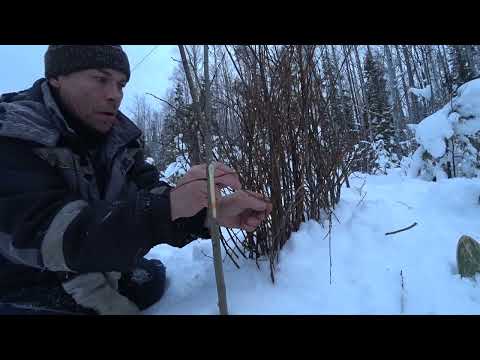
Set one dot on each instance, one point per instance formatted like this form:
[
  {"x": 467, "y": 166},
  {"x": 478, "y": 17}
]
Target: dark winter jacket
[{"x": 77, "y": 213}]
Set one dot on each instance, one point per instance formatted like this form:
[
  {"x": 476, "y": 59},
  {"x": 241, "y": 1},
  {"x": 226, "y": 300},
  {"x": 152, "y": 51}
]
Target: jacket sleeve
[
  {"x": 185, "y": 230},
  {"x": 44, "y": 225}
]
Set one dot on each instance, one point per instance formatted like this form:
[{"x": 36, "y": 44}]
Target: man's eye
[{"x": 101, "y": 79}]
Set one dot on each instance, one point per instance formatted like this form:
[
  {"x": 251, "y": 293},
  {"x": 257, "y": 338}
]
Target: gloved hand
[{"x": 144, "y": 174}]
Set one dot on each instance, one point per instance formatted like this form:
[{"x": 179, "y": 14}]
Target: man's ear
[{"x": 53, "y": 81}]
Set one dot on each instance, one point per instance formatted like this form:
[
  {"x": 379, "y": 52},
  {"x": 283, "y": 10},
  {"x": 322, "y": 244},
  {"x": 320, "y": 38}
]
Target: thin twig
[
  {"x": 407, "y": 228},
  {"x": 402, "y": 295},
  {"x": 401, "y": 202},
  {"x": 336, "y": 218},
  {"x": 226, "y": 244},
  {"x": 360, "y": 189},
  {"x": 361, "y": 200},
  {"x": 227, "y": 252},
  {"x": 165, "y": 101},
  {"x": 330, "y": 246},
  {"x": 235, "y": 242},
  {"x": 205, "y": 254},
  {"x": 144, "y": 58}
]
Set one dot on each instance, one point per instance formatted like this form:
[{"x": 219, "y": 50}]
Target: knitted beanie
[{"x": 66, "y": 59}]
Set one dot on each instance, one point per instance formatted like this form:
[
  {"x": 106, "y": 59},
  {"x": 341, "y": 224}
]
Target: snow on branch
[{"x": 425, "y": 93}]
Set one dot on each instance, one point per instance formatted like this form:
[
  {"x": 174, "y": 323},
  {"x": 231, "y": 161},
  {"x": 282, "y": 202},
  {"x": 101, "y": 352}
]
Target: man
[{"x": 79, "y": 206}]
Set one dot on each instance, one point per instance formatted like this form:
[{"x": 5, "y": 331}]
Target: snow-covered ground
[{"x": 366, "y": 263}]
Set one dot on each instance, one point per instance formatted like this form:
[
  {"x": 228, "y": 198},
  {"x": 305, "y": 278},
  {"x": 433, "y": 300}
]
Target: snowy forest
[{"x": 298, "y": 122}]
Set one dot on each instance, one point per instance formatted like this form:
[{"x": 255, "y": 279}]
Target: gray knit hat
[{"x": 65, "y": 59}]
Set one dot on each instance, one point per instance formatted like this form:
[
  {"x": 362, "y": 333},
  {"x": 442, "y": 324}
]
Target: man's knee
[{"x": 144, "y": 285}]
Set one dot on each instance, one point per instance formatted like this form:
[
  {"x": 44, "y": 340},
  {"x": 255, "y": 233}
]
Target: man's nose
[{"x": 114, "y": 93}]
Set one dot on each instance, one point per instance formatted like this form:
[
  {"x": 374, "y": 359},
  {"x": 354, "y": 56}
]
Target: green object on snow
[{"x": 468, "y": 256}]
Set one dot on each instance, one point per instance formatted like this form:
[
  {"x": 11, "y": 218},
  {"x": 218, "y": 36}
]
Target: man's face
[{"x": 92, "y": 95}]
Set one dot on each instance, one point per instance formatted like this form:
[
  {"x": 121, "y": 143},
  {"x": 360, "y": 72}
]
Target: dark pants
[{"x": 144, "y": 286}]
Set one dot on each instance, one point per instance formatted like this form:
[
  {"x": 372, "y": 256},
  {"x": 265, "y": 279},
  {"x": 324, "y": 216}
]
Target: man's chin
[
  {"x": 104, "y": 127},
  {"x": 104, "y": 130}
]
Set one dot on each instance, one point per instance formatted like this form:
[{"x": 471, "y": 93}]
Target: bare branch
[{"x": 404, "y": 229}]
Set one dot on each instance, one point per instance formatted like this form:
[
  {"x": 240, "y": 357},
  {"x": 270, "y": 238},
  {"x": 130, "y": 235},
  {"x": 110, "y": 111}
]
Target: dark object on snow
[
  {"x": 468, "y": 256},
  {"x": 404, "y": 229}
]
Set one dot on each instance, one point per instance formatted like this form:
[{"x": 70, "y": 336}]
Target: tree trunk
[
  {"x": 437, "y": 93},
  {"x": 365, "y": 120},
  {"x": 404, "y": 85},
  {"x": 411, "y": 84},
  {"x": 397, "y": 109},
  {"x": 196, "y": 105},
  {"x": 339, "y": 82},
  {"x": 353, "y": 87},
  {"x": 426, "y": 70},
  {"x": 448, "y": 74},
  {"x": 471, "y": 62}
]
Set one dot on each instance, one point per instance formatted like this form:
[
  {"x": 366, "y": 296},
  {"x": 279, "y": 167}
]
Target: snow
[
  {"x": 434, "y": 129},
  {"x": 458, "y": 119},
  {"x": 176, "y": 168},
  {"x": 467, "y": 106},
  {"x": 425, "y": 93},
  {"x": 150, "y": 161},
  {"x": 366, "y": 263},
  {"x": 466, "y": 102},
  {"x": 460, "y": 116}
]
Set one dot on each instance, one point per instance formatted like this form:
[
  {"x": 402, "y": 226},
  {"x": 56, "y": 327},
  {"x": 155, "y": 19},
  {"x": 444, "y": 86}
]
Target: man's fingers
[
  {"x": 269, "y": 208},
  {"x": 239, "y": 201},
  {"x": 254, "y": 201},
  {"x": 247, "y": 224},
  {"x": 260, "y": 215},
  {"x": 226, "y": 176},
  {"x": 222, "y": 167},
  {"x": 250, "y": 223},
  {"x": 196, "y": 172},
  {"x": 253, "y": 222},
  {"x": 229, "y": 180}
]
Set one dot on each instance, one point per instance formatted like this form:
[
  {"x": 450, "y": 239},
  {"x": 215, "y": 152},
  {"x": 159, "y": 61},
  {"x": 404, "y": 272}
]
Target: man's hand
[
  {"x": 191, "y": 193},
  {"x": 242, "y": 209}
]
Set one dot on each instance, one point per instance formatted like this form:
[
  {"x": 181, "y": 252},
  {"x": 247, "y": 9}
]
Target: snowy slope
[{"x": 366, "y": 263}]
